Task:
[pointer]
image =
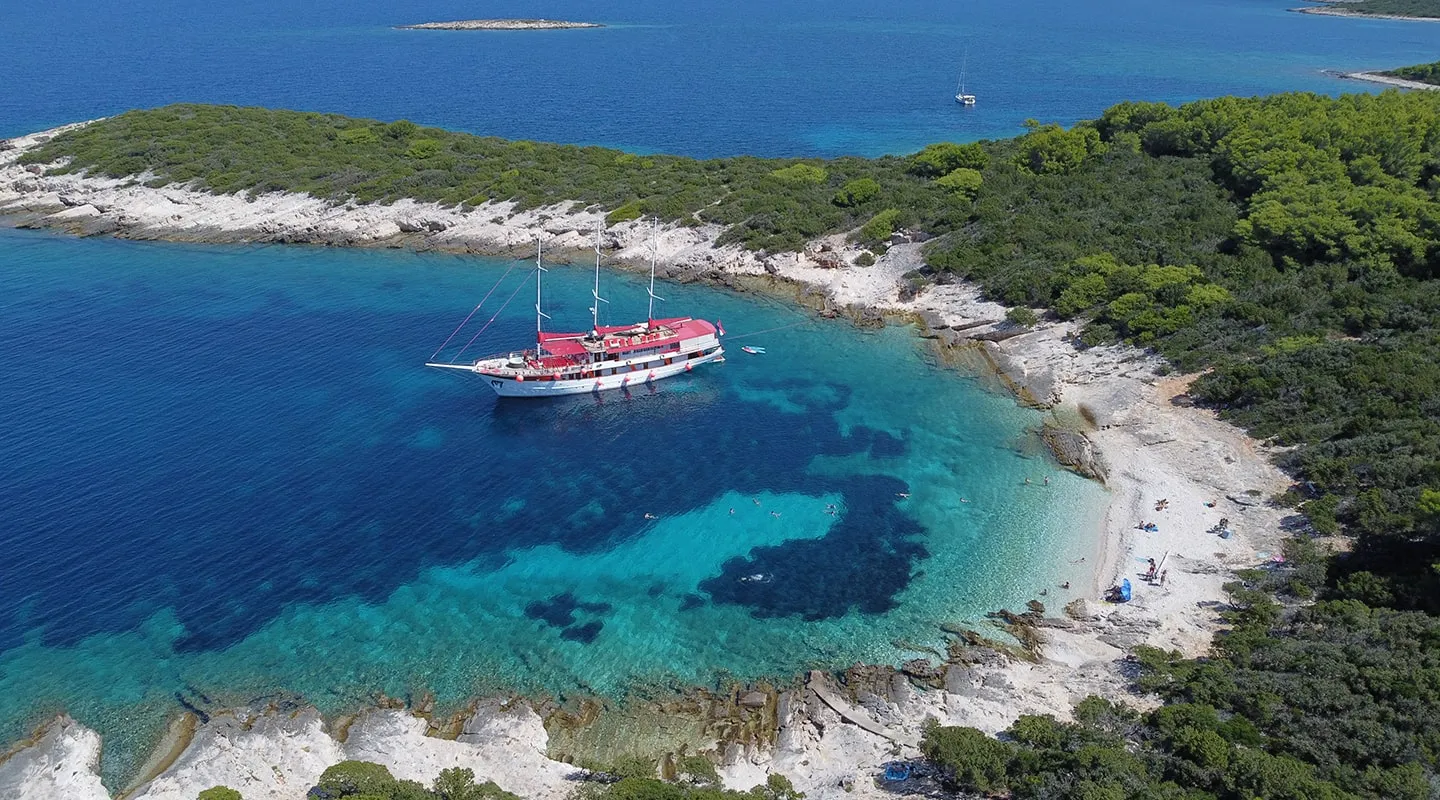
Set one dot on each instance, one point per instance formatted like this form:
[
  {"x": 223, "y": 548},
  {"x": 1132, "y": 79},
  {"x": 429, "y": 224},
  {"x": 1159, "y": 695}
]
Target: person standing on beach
[{"x": 1163, "y": 573}]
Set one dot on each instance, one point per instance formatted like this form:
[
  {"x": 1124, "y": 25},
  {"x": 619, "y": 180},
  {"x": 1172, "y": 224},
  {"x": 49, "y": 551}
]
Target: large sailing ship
[{"x": 605, "y": 357}]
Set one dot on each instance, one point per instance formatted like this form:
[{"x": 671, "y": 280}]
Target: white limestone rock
[
  {"x": 63, "y": 764},
  {"x": 75, "y": 213},
  {"x": 273, "y": 756}
]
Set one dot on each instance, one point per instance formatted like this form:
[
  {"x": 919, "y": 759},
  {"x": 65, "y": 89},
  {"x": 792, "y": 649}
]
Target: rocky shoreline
[
  {"x": 1332, "y": 11},
  {"x": 1387, "y": 80},
  {"x": 1110, "y": 411},
  {"x": 499, "y": 25}
]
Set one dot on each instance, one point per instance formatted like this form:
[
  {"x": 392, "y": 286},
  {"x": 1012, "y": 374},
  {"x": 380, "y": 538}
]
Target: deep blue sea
[
  {"x": 705, "y": 77},
  {"x": 224, "y": 472}
]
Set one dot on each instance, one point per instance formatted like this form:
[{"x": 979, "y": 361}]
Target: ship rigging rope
[
  {"x": 472, "y": 313},
  {"x": 767, "y": 330},
  {"x": 486, "y": 326}
]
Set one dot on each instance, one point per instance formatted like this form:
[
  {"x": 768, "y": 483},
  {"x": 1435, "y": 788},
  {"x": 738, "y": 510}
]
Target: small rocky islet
[{"x": 499, "y": 25}]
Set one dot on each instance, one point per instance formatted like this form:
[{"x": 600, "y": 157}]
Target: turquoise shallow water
[{"x": 227, "y": 475}]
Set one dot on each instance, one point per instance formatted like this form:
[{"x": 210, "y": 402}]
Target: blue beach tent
[
  {"x": 1125, "y": 591},
  {"x": 897, "y": 771}
]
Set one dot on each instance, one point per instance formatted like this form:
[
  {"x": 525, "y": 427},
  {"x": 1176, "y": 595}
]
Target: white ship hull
[{"x": 639, "y": 377}]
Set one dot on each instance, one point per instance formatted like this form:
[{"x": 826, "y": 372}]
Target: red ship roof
[
  {"x": 563, "y": 344},
  {"x": 690, "y": 328},
  {"x": 661, "y": 331},
  {"x": 620, "y": 338}
]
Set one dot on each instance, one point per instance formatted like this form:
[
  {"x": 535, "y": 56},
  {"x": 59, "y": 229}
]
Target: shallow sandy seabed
[{"x": 829, "y": 740}]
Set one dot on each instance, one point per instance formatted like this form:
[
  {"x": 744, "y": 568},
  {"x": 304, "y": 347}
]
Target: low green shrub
[
  {"x": 963, "y": 181},
  {"x": 1020, "y": 315},
  {"x": 880, "y": 226},
  {"x": 857, "y": 192}
]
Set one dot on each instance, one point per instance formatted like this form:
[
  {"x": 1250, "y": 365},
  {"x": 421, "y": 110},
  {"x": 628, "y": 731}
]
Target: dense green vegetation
[
  {"x": 1425, "y": 73},
  {"x": 633, "y": 779},
  {"x": 362, "y": 780},
  {"x": 772, "y": 204},
  {"x": 1399, "y": 8}
]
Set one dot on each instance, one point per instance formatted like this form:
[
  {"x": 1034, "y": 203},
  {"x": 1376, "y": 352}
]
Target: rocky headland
[
  {"x": 1343, "y": 8},
  {"x": 1387, "y": 80},
  {"x": 1111, "y": 411},
  {"x": 499, "y": 25}
]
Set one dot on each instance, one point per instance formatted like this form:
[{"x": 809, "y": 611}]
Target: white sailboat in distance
[{"x": 961, "y": 96}]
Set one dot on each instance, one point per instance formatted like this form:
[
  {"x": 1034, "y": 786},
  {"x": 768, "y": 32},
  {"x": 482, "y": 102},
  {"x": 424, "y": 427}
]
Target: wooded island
[{"x": 1285, "y": 248}]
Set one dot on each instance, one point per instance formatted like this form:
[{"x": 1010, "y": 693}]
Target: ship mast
[
  {"x": 654, "y": 247},
  {"x": 539, "y": 268},
  {"x": 595, "y": 293}
]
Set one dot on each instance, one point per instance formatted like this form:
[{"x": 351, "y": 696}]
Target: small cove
[{"x": 232, "y": 478}]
